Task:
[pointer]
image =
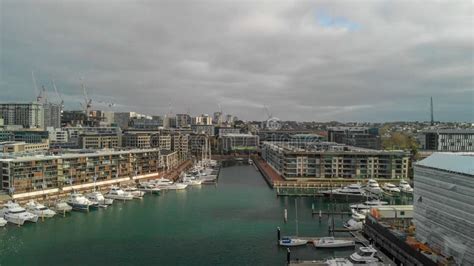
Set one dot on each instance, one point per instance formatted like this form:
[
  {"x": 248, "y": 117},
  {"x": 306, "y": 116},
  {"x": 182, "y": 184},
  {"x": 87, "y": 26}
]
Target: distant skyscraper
[{"x": 31, "y": 115}]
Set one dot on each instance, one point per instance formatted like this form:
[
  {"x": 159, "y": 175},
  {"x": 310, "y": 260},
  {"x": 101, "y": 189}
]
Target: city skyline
[{"x": 297, "y": 58}]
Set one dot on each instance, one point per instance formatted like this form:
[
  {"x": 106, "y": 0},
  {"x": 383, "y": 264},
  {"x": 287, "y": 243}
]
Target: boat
[
  {"x": 359, "y": 215},
  {"x": 162, "y": 183},
  {"x": 353, "y": 190},
  {"x": 389, "y": 187},
  {"x": 373, "y": 187},
  {"x": 3, "y": 222},
  {"x": 39, "y": 209},
  {"x": 292, "y": 241},
  {"x": 368, "y": 204},
  {"x": 353, "y": 224},
  {"x": 117, "y": 193},
  {"x": 96, "y": 196},
  {"x": 15, "y": 214},
  {"x": 148, "y": 187},
  {"x": 331, "y": 242},
  {"x": 62, "y": 207},
  {"x": 364, "y": 255},
  {"x": 250, "y": 161},
  {"x": 177, "y": 186},
  {"x": 79, "y": 203},
  {"x": 405, "y": 187},
  {"x": 191, "y": 180},
  {"x": 137, "y": 194}
]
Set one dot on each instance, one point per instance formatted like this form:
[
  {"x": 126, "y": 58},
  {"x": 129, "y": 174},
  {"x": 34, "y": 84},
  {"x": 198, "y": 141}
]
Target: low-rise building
[
  {"x": 451, "y": 140},
  {"x": 444, "y": 204},
  {"x": 332, "y": 160},
  {"x": 99, "y": 141},
  {"x": 21, "y": 146},
  {"x": 238, "y": 143},
  {"x": 180, "y": 144},
  {"x": 26, "y": 135},
  {"x": 363, "y": 137}
]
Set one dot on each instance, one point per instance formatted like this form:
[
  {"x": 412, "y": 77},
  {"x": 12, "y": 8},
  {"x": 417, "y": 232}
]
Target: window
[{"x": 402, "y": 213}]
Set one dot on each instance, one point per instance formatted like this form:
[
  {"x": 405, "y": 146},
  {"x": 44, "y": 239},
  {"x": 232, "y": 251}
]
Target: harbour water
[{"x": 231, "y": 223}]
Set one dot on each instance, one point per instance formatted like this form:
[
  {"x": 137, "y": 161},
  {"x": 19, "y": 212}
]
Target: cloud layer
[{"x": 306, "y": 60}]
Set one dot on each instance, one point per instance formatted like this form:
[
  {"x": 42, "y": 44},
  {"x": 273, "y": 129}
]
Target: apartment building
[
  {"x": 21, "y": 146},
  {"x": 332, "y": 160},
  {"x": 26, "y": 135},
  {"x": 140, "y": 140},
  {"x": 99, "y": 141},
  {"x": 31, "y": 173},
  {"x": 362, "y": 137},
  {"x": 180, "y": 144},
  {"x": 237, "y": 142}
]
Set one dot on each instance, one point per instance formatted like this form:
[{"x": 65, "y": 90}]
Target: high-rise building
[
  {"x": 28, "y": 115},
  {"x": 183, "y": 120}
]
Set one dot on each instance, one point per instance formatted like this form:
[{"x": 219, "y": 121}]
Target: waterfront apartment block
[
  {"x": 180, "y": 144},
  {"x": 444, "y": 204},
  {"x": 451, "y": 140},
  {"x": 140, "y": 140},
  {"x": 31, "y": 173},
  {"x": 332, "y": 160}
]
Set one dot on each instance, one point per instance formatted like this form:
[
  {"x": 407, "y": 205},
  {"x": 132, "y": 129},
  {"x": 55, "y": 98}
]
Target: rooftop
[{"x": 454, "y": 162}]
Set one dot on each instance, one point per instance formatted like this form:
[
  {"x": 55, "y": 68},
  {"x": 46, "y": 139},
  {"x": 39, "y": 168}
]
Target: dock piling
[
  {"x": 278, "y": 234},
  {"x": 288, "y": 256}
]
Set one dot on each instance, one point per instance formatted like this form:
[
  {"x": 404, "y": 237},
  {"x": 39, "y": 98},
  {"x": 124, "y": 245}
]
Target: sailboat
[{"x": 292, "y": 241}]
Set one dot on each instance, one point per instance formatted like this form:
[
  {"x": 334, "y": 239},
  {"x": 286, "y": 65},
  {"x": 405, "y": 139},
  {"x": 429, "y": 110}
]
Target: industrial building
[
  {"x": 451, "y": 140},
  {"x": 22, "y": 174},
  {"x": 332, "y": 160},
  {"x": 444, "y": 205}
]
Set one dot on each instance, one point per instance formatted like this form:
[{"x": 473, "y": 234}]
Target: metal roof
[{"x": 455, "y": 162}]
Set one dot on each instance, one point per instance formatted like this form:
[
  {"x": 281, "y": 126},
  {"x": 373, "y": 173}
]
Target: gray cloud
[{"x": 306, "y": 60}]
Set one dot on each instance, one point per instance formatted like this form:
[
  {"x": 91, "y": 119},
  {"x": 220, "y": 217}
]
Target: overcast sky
[{"x": 305, "y": 60}]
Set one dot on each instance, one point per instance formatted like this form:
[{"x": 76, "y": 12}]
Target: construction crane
[
  {"x": 38, "y": 93},
  {"x": 272, "y": 123},
  {"x": 87, "y": 101},
  {"x": 57, "y": 94}
]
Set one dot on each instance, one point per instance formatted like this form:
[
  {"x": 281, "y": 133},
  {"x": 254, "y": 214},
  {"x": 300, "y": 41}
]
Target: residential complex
[
  {"x": 444, "y": 204},
  {"x": 362, "y": 137},
  {"x": 331, "y": 160},
  {"x": 31, "y": 115},
  {"x": 237, "y": 142}
]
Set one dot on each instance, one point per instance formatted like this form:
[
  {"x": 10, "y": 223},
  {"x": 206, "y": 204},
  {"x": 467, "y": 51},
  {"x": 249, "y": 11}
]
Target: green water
[{"x": 233, "y": 223}]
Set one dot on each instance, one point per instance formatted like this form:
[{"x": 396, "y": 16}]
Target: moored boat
[
  {"x": 117, "y": 193},
  {"x": 391, "y": 188},
  {"x": 137, "y": 194},
  {"x": 292, "y": 241},
  {"x": 98, "y": 197},
  {"x": 39, "y": 209},
  {"x": 331, "y": 242},
  {"x": 79, "y": 203},
  {"x": 405, "y": 187},
  {"x": 14, "y": 213}
]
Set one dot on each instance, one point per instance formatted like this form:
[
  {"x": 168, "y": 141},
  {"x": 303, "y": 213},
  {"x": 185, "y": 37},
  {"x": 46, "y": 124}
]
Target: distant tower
[{"x": 432, "y": 116}]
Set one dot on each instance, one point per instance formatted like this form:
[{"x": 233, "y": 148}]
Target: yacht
[
  {"x": 359, "y": 215},
  {"x": 364, "y": 255},
  {"x": 177, "y": 186},
  {"x": 3, "y": 222},
  {"x": 137, "y": 194},
  {"x": 292, "y": 241},
  {"x": 368, "y": 204},
  {"x": 96, "y": 196},
  {"x": 78, "y": 202},
  {"x": 148, "y": 187},
  {"x": 330, "y": 242},
  {"x": 39, "y": 209},
  {"x": 405, "y": 187},
  {"x": 162, "y": 183},
  {"x": 62, "y": 207},
  {"x": 353, "y": 190},
  {"x": 13, "y": 213},
  {"x": 389, "y": 187},
  {"x": 373, "y": 187},
  {"x": 191, "y": 180},
  {"x": 117, "y": 193}
]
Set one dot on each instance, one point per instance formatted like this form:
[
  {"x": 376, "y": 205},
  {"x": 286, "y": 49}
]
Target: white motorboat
[
  {"x": 78, "y": 202},
  {"x": 39, "y": 209},
  {"x": 3, "y": 222},
  {"x": 338, "y": 262},
  {"x": 364, "y": 255},
  {"x": 162, "y": 183},
  {"x": 148, "y": 187},
  {"x": 62, "y": 207},
  {"x": 98, "y": 197},
  {"x": 191, "y": 180},
  {"x": 353, "y": 224},
  {"x": 353, "y": 190},
  {"x": 405, "y": 187},
  {"x": 117, "y": 193},
  {"x": 359, "y": 215},
  {"x": 177, "y": 186},
  {"x": 389, "y": 187},
  {"x": 331, "y": 242},
  {"x": 13, "y": 213},
  {"x": 373, "y": 187},
  {"x": 292, "y": 241},
  {"x": 368, "y": 204},
  {"x": 137, "y": 194}
]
